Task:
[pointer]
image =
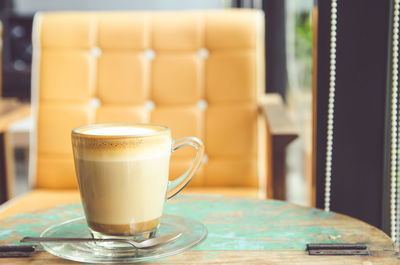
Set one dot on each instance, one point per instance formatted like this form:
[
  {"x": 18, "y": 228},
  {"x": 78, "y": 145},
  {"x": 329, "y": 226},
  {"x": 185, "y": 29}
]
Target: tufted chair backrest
[{"x": 198, "y": 72}]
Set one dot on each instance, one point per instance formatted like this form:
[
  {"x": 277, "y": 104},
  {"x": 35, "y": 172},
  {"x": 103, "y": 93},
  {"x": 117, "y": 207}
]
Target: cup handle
[{"x": 178, "y": 184}]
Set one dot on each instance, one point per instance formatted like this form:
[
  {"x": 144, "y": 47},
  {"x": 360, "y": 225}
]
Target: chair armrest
[
  {"x": 277, "y": 116},
  {"x": 280, "y": 131},
  {"x": 11, "y": 110}
]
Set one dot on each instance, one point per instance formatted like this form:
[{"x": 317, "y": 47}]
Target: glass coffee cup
[{"x": 122, "y": 172}]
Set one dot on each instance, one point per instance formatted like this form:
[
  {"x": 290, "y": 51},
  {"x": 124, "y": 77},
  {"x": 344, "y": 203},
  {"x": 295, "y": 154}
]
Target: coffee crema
[
  {"x": 133, "y": 141},
  {"x": 120, "y": 131},
  {"x": 123, "y": 176}
]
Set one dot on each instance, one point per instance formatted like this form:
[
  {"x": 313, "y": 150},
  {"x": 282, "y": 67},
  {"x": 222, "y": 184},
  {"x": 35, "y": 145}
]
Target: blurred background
[{"x": 289, "y": 67}]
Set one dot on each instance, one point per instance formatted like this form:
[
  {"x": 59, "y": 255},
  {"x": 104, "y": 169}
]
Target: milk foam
[
  {"x": 119, "y": 131},
  {"x": 128, "y": 157},
  {"x": 127, "y": 192}
]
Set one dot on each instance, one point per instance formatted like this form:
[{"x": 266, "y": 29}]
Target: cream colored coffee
[
  {"x": 123, "y": 175},
  {"x": 119, "y": 131}
]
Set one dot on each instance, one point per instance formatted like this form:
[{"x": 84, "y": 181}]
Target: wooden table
[
  {"x": 11, "y": 110},
  {"x": 240, "y": 231}
]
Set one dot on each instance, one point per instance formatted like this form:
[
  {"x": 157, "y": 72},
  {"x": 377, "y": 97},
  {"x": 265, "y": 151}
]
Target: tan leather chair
[{"x": 199, "y": 72}]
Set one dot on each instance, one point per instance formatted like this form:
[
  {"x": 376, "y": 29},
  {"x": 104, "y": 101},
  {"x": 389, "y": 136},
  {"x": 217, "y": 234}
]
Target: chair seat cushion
[{"x": 39, "y": 199}]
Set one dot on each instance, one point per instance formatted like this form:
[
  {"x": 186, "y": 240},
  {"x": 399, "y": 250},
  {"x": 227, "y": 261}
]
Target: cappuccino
[{"x": 122, "y": 173}]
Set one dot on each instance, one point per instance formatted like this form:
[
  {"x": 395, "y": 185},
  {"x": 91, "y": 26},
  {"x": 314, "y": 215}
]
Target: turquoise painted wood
[{"x": 233, "y": 224}]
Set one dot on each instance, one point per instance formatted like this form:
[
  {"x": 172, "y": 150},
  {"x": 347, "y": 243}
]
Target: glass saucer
[{"x": 193, "y": 232}]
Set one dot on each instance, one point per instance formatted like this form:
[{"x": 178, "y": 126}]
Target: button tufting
[
  {"x": 202, "y": 104},
  {"x": 204, "y": 160},
  {"x": 95, "y": 103},
  {"x": 203, "y": 53},
  {"x": 150, "y": 54},
  {"x": 149, "y": 105},
  {"x": 95, "y": 52}
]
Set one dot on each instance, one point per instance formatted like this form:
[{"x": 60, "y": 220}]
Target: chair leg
[
  {"x": 7, "y": 172},
  {"x": 3, "y": 169},
  {"x": 276, "y": 145},
  {"x": 279, "y": 167}
]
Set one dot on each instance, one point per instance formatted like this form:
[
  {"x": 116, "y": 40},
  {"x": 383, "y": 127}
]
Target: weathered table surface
[{"x": 241, "y": 231}]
